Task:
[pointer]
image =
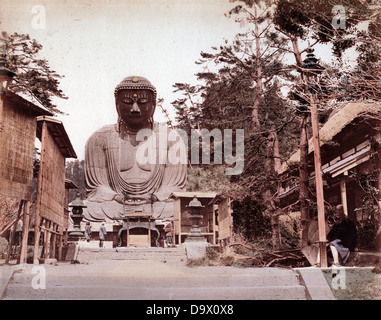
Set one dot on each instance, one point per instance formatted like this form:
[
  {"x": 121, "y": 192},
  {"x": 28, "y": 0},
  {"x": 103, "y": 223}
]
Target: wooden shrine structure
[
  {"x": 51, "y": 218},
  {"x": 138, "y": 240},
  {"x": 17, "y": 144},
  {"x": 182, "y": 221},
  {"x": 224, "y": 219}
]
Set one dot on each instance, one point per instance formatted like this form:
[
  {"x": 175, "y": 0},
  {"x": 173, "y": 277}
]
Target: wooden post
[
  {"x": 37, "y": 236},
  {"x": 53, "y": 241},
  {"x": 128, "y": 232},
  {"x": 1, "y": 118},
  {"x": 37, "y": 230},
  {"x": 25, "y": 233},
  {"x": 47, "y": 238},
  {"x": 231, "y": 221},
  {"x": 13, "y": 233},
  {"x": 60, "y": 243},
  {"x": 149, "y": 231},
  {"x": 176, "y": 220},
  {"x": 343, "y": 192},
  {"x": 319, "y": 183},
  {"x": 214, "y": 224},
  {"x": 179, "y": 221},
  {"x": 46, "y": 226}
]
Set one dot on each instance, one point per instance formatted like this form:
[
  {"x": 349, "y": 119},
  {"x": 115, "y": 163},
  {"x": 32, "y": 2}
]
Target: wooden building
[
  {"x": 51, "y": 204},
  {"x": 350, "y": 150},
  {"x": 17, "y": 144},
  {"x": 17, "y": 134},
  {"x": 182, "y": 222},
  {"x": 224, "y": 219}
]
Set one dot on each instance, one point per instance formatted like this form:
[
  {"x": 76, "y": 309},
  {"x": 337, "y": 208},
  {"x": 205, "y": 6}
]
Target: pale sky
[{"x": 95, "y": 44}]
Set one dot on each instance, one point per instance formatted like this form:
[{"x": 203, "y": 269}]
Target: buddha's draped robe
[{"x": 108, "y": 160}]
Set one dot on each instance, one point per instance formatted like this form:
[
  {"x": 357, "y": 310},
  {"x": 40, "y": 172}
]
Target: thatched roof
[
  {"x": 191, "y": 194},
  {"x": 338, "y": 120}
]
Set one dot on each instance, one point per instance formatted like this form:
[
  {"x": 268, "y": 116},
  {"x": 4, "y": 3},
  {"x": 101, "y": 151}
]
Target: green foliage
[
  {"x": 247, "y": 77},
  {"x": 370, "y": 221},
  {"x": 249, "y": 220},
  {"x": 251, "y": 73},
  {"x": 367, "y": 232},
  {"x": 211, "y": 179},
  {"x": 290, "y": 229},
  {"x": 188, "y": 108},
  {"x": 33, "y": 75},
  {"x": 75, "y": 171},
  {"x": 314, "y": 20}
]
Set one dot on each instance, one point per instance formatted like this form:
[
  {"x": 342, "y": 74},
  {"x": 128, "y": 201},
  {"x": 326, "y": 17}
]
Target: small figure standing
[
  {"x": 88, "y": 231},
  {"x": 169, "y": 234},
  {"x": 124, "y": 228},
  {"x": 102, "y": 234}
]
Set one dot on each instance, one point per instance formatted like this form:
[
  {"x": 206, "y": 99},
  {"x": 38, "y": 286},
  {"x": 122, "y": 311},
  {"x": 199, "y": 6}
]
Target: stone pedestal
[
  {"x": 195, "y": 244},
  {"x": 195, "y": 249}
]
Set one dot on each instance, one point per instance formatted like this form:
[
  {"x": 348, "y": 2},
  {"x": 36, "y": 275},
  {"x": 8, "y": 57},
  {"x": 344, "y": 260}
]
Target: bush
[{"x": 290, "y": 229}]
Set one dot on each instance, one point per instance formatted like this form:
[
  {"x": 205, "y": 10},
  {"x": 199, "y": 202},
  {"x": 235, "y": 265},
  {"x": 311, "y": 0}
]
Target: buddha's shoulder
[{"x": 105, "y": 131}]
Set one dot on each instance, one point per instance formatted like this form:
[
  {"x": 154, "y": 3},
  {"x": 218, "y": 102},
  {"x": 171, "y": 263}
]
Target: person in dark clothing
[
  {"x": 342, "y": 238},
  {"x": 88, "y": 231}
]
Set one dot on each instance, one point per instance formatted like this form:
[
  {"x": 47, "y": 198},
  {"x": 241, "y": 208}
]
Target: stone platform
[{"x": 94, "y": 244}]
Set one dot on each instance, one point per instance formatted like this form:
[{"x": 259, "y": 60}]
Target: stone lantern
[
  {"x": 311, "y": 70},
  {"x": 195, "y": 207},
  {"x": 77, "y": 209}
]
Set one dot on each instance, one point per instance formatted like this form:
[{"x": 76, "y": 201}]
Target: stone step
[
  {"x": 120, "y": 280},
  {"x": 174, "y": 293},
  {"x": 87, "y": 255}
]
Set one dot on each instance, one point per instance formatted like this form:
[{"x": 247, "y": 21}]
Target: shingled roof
[{"x": 59, "y": 134}]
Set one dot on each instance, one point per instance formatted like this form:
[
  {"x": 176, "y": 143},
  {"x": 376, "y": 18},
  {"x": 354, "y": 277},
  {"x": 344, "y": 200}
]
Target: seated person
[{"x": 342, "y": 238}]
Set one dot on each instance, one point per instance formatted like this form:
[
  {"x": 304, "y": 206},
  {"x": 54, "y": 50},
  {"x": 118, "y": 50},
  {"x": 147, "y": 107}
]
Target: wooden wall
[
  {"x": 52, "y": 187},
  {"x": 225, "y": 220},
  {"x": 18, "y": 134},
  {"x": 51, "y": 216}
]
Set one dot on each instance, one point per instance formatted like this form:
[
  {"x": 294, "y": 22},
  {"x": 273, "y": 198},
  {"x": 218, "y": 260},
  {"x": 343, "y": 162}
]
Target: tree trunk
[
  {"x": 303, "y": 177},
  {"x": 270, "y": 196},
  {"x": 297, "y": 54},
  {"x": 303, "y": 147},
  {"x": 258, "y": 76},
  {"x": 275, "y": 238}
]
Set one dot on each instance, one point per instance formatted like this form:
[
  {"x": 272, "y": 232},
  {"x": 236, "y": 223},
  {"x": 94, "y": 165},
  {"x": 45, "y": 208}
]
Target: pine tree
[
  {"x": 300, "y": 22},
  {"x": 245, "y": 93},
  {"x": 33, "y": 75},
  {"x": 75, "y": 171}
]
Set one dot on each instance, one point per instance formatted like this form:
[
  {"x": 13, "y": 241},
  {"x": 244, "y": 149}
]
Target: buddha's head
[{"x": 135, "y": 99}]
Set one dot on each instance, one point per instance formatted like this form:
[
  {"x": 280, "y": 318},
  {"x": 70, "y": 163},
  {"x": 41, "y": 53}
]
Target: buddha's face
[{"x": 135, "y": 106}]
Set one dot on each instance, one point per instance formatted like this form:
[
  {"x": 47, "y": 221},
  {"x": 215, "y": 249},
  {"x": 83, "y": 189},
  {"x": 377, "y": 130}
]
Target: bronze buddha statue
[{"x": 116, "y": 180}]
